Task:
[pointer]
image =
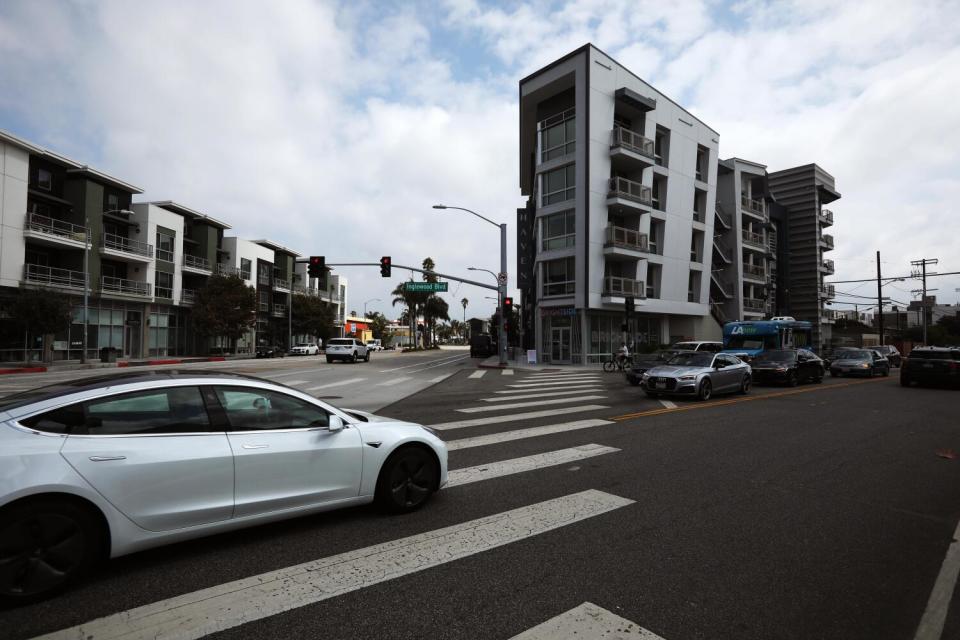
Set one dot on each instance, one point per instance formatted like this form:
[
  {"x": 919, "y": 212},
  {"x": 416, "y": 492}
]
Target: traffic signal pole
[{"x": 502, "y": 284}]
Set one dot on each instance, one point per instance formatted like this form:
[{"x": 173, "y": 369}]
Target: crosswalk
[{"x": 225, "y": 606}]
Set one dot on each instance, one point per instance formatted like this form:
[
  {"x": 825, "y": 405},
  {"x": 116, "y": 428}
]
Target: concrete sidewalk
[
  {"x": 493, "y": 362},
  {"x": 76, "y": 365}
]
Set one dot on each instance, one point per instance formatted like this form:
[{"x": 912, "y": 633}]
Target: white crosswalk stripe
[
  {"x": 296, "y": 382},
  {"x": 570, "y": 388},
  {"x": 564, "y": 383},
  {"x": 520, "y": 434},
  {"x": 194, "y": 615},
  {"x": 477, "y": 374},
  {"x": 527, "y": 463},
  {"x": 441, "y": 378},
  {"x": 548, "y": 394},
  {"x": 532, "y": 403},
  {"x": 568, "y": 377},
  {"x": 507, "y": 372},
  {"x": 587, "y": 621},
  {"x": 335, "y": 384},
  {"x": 514, "y": 417},
  {"x": 390, "y": 383}
]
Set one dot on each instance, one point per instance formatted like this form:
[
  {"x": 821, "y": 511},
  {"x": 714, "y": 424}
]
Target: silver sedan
[
  {"x": 699, "y": 374},
  {"x": 106, "y": 466}
]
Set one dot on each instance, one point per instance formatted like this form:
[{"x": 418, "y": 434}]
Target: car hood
[
  {"x": 771, "y": 365},
  {"x": 848, "y": 362},
  {"x": 676, "y": 370}
]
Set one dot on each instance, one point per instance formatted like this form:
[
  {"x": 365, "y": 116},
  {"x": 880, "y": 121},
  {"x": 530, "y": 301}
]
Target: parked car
[
  {"x": 305, "y": 349},
  {"x": 235, "y": 451},
  {"x": 347, "y": 349},
  {"x": 271, "y": 351},
  {"x": 787, "y": 366},
  {"x": 891, "y": 353},
  {"x": 482, "y": 345},
  {"x": 712, "y": 347},
  {"x": 698, "y": 374},
  {"x": 374, "y": 345},
  {"x": 643, "y": 362},
  {"x": 931, "y": 365},
  {"x": 859, "y": 362}
]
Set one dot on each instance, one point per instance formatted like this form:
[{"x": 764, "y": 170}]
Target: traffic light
[
  {"x": 385, "y": 266},
  {"x": 316, "y": 267}
]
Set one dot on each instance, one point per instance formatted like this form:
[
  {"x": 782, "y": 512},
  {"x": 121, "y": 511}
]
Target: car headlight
[
  {"x": 687, "y": 378},
  {"x": 645, "y": 375},
  {"x": 864, "y": 365},
  {"x": 781, "y": 369}
]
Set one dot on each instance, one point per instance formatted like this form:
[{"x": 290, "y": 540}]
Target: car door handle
[
  {"x": 106, "y": 458},
  {"x": 255, "y": 446}
]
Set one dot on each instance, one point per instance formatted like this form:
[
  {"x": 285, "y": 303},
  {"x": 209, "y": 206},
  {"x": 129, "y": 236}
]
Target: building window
[
  {"x": 165, "y": 243},
  {"x": 558, "y": 231},
  {"x": 245, "y": 266},
  {"x": 659, "y": 192},
  {"x": 558, "y": 136},
  {"x": 696, "y": 246},
  {"x": 163, "y": 285},
  {"x": 163, "y": 333},
  {"x": 661, "y": 147},
  {"x": 693, "y": 287},
  {"x": 655, "y": 243},
  {"x": 653, "y": 281},
  {"x": 112, "y": 202},
  {"x": 263, "y": 302},
  {"x": 44, "y": 180},
  {"x": 699, "y": 205},
  {"x": 558, "y": 277},
  {"x": 558, "y": 185},
  {"x": 703, "y": 159}
]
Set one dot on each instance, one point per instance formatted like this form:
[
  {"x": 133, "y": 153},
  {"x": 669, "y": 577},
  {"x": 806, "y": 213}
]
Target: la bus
[{"x": 752, "y": 337}]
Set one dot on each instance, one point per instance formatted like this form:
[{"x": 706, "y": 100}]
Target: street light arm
[{"x": 443, "y": 206}]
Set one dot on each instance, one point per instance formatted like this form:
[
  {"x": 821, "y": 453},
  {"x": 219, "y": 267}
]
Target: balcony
[
  {"x": 630, "y": 150},
  {"x": 227, "y": 270},
  {"x": 263, "y": 307},
  {"x": 196, "y": 264},
  {"x": 40, "y": 275},
  {"x": 121, "y": 287},
  {"x": 630, "y": 195},
  {"x": 826, "y": 241},
  {"x": 754, "y": 272},
  {"x": 826, "y": 218},
  {"x": 264, "y": 279},
  {"x": 279, "y": 311},
  {"x": 281, "y": 284},
  {"x": 754, "y": 207},
  {"x": 753, "y": 240},
  {"x": 126, "y": 249},
  {"x": 54, "y": 233},
  {"x": 625, "y": 243},
  {"x": 188, "y": 297},
  {"x": 617, "y": 287},
  {"x": 827, "y": 266},
  {"x": 754, "y": 305},
  {"x": 828, "y": 291}
]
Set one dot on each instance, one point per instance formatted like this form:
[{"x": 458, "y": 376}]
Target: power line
[{"x": 910, "y": 276}]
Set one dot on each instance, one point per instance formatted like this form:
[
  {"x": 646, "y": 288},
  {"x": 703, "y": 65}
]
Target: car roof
[{"x": 70, "y": 387}]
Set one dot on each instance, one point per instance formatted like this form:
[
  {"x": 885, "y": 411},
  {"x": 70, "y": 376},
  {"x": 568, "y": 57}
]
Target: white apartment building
[{"x": 621, "y": 181}]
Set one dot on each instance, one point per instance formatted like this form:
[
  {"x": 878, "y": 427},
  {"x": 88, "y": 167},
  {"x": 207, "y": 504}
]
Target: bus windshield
[{"x": 752, "y": 342}]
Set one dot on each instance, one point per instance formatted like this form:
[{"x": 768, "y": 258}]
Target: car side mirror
[{"x": 334, "y": 423}]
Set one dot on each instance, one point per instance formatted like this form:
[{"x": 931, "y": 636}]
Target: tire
[
  {"x": 45, "y": 546},
  {"x": 792, "y": 380},
  {"x": 818, "y": 379},
  {"x": 706, "y": 390},
  {"x": 407, "y": 480},
  {"x": 353, "y": 357},
  {"x": 367, "y": 359},
  {"x": 609, "y": 366},
  {"x": 745, "y": 385},
  {"x": 329, "y": 360},
  {"x": 886, "y": 371}
]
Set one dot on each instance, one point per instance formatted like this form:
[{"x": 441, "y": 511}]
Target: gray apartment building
[{"x": 621, "y": 183}]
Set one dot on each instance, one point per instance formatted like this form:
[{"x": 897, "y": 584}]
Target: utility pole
[
  {"x": 922, "y": 263},
  {"x": 879, "y": 299}
]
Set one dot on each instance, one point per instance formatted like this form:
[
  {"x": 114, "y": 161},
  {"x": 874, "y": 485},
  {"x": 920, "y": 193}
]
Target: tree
[
  {"x": 434, "y": 309},
  {"x": 42, "y": 312},
  {"x": 312, "y": 317},
  {"x": 378, "y": 325},
  {"x": 225, "y": 308},
  {"x": 464, "y": 302}
]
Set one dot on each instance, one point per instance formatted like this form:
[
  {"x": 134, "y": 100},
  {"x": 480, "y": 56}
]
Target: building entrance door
[
  {"x": 560, "y": 345},
  {"x": 133, "y": 338}
]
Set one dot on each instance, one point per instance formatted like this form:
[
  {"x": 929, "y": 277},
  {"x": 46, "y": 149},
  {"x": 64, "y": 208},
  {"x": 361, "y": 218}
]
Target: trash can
[{"x": 108, "y": 354}]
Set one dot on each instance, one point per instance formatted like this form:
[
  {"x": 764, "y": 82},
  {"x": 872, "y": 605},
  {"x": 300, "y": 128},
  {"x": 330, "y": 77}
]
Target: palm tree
[
  {"x": 436, "y": 308},
  {"x": 464, "y": 303}
]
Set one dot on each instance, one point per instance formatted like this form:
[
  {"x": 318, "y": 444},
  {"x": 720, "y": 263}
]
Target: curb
[
  {"x": 122, "y": 364},
  {"x": 24, "y": 370}
]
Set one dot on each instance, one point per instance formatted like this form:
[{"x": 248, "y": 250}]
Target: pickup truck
[{"x": 931, "y": 365}]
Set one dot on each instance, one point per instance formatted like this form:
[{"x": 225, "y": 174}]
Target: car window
[
  {"x": 249, "y": 409},
  {"x": 696, "y": 359},
  {"x": 170, "y": 410},
  {"x": 62, "y": 420},
  {"x": 709, "y": 346}
]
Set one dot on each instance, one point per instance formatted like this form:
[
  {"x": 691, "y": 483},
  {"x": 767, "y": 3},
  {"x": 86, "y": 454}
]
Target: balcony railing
[
  {"x": 753, "y": 206},
  {"x": 754, "y": 304},
  {"x": 627, "y": 287},
  {"x": 826, "y": 217},
  {"x": 627, "y": 238},
  {"x": 828, "y": 266},
  {"x": 196, "y": 262},
  {"x": 827, "y": 241},
  {"x": 127, "y": 245},
  {"x": 125, "y": 287},
  {"x": 263, "y": 279},
  {"x": 631, "y": 190},
  {"x": 281, "y": 283},
  {"x": 52, "y": 277},
  {"x": 755, "y": 270},
  {"x": 263, "y": 306},
  {"x": 227, "y": 270},
  {"x": 632, "y": 141},
  {"x": 163, "y": 292},
  {"x": 188, "y": 296},
  {"x": 828, "y": 291},
  {"x": 280, "y": 310},
  {"x": 54, "y": 227},
  {"x": 755, "y": 239}
]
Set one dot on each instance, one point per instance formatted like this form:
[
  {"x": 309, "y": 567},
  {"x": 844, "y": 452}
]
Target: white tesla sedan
[{"x": 102, "y": 467}]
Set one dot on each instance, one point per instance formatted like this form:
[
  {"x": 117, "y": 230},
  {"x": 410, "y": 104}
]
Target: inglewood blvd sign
[{"x": 425, "y": 287}]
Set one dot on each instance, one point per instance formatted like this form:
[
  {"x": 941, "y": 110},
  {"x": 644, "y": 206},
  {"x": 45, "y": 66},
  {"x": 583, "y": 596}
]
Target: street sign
[
  {"x": 502, "y": 278},
  {"x": 425, "y": 287}
]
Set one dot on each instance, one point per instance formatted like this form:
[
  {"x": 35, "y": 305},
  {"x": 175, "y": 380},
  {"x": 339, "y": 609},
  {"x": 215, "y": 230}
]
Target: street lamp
[
  {"x": 501, "y": 278},
  {"x": 365, "y": 306}
]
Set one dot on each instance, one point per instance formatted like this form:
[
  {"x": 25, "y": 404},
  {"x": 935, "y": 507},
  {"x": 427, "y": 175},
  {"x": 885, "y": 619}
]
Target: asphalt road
[{"x": 821, "y": 511}]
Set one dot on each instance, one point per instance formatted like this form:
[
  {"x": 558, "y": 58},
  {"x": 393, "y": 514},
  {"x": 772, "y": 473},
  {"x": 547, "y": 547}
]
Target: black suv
[
  {"x": 891, "y": 353},
  {"x": 271, "y": 351},
  {"x": 931, "y": 365},
  {"x": 482, "y": 345},
  {"x": 787, "y": 366}
]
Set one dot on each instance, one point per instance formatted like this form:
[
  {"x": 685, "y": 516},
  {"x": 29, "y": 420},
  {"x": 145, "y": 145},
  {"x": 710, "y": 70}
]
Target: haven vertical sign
[{"x": 526, "y": 255}]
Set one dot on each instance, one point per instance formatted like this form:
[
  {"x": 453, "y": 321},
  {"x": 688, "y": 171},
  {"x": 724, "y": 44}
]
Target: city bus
[{"x": 752, "y": 337}]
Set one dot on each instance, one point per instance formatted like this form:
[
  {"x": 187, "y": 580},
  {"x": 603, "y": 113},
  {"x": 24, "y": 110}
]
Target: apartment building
[
  {"x": 61, "y": 221},
  {"x": 620, "y": 180}
]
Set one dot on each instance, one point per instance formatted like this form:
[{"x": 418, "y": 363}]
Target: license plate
[{"x": 660, "y": 385}]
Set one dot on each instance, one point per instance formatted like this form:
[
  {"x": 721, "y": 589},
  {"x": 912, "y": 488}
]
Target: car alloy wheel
[
  {"x": 745, "y": 385},
  {"x": 706, "y": 389},
  {"x": 792, "y": 379},
  {"x": 407, "y": 480}
]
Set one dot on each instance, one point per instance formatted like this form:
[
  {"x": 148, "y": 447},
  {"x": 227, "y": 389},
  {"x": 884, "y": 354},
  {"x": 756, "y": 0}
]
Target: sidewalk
[
  {"x": 493, "y": 362},
  {"x": 76, "y": 365}
]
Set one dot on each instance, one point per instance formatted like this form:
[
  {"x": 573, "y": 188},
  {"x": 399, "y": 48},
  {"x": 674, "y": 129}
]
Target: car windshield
[
  {"x": 304, "y": 344},
  {"x": 692, "y": 360},
  {"x": 854, "y": 354},
  {"x": 776, "y": 356},
  {"x": 752, "y": 342}
]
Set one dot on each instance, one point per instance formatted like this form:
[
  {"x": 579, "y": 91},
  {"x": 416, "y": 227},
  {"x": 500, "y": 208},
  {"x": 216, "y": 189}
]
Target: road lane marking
[
  {"x": 938, "y": 605},
  {"x": 390, "y": 383},
  {"x": 567, "y": 377},
  {"x": 668, "y": 404},
  {"x": 531, "y": 385},
  {"x": 335, "y": 384},
  {"x": 441, "y": 378},
  {"x": 467, "y": 475},
  {"x": 586, "y": 386},
  {"x": 200, "y": 613},
  {"x": 567, "y": 392},
  {"x": 531, "y": 403},
  {"x": 298, "y": 372},
  {"x": 474, "y": 422},
  {"x": 444, "y": 360},
  {"x": 293, "y": 382},
  {"x": 587, "y": 621},
  {"x": 507, "y": 372},
  {"x": 521, "y": 434},
  {"x": 477, "y": 374}
]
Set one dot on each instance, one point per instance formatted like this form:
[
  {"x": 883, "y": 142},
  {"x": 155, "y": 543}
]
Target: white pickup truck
[{"x": 374, "y": 345}]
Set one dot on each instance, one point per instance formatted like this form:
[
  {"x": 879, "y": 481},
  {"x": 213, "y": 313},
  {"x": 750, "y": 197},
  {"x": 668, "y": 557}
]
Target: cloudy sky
[{"x": 333, "y": 127}]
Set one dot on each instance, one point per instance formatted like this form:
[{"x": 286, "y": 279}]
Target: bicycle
[{"x": 617, "y": 363}]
